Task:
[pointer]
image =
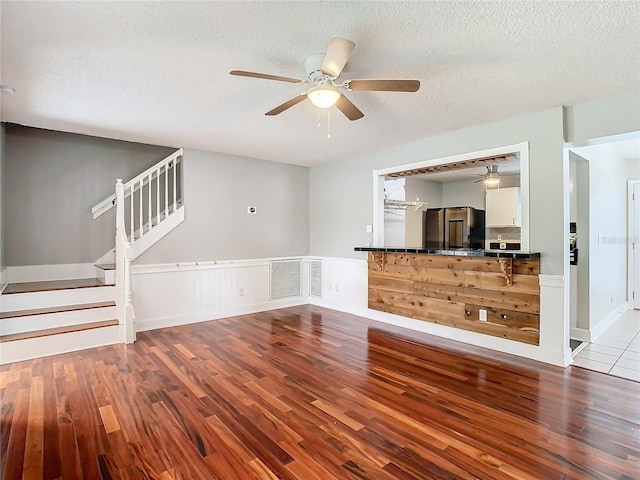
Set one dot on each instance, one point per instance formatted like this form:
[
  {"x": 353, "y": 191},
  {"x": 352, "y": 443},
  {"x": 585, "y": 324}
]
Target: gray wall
[
  {"x": 51, "y": 181},
  {"x": 465, "y": 193},
  {"x": 334, "y": 232},
  {"x": 217, "y": 190}
]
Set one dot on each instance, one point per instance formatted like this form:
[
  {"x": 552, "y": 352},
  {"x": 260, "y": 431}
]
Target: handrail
[
  {"x": 124, "y": 305},
  {"x": 109, "y": 202}
]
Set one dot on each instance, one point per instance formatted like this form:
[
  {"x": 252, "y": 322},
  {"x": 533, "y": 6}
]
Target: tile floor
[{"x": 617, "y": 351}]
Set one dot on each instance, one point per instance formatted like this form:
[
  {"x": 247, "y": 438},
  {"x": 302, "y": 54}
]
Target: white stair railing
[
  {"x": 124, "y": 304},
  {"x": 163, "y": 176},
  {"x": 147, "y": 207}
]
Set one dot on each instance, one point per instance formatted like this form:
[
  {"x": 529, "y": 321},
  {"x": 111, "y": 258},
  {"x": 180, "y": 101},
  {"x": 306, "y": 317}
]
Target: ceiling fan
[
  {"x": 492, "y": 177},
  {"x": 324, "y": 90}
]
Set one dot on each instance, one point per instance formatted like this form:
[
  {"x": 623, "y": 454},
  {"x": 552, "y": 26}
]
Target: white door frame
[
  {"x": 521, "y": 148},
  {"x": 633, "y": 243}
]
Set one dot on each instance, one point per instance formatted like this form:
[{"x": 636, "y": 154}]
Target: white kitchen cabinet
[{"x": 503, "y": 207}]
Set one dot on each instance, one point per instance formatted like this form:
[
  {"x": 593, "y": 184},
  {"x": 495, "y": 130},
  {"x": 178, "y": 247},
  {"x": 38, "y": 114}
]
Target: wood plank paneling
[
  {"x": 304, "y": 393},
  {"x": 450, "y": 290}
]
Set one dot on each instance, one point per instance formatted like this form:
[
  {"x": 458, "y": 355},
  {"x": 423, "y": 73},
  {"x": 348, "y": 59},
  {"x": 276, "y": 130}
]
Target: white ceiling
[{"x": 157, "y": 72}]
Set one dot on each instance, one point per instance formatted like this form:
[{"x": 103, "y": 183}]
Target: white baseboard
[
  {"x": 41, "y": 273},
  {"x": 607, "y": 321},
  {"x": 204, "y": 316},
  {"x": 581, "y": 334}
]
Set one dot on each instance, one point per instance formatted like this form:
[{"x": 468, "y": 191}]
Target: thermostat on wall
[{"x": 252, "y": 210}]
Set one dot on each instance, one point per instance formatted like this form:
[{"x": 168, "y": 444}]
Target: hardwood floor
[{"x": 308, "y": 393}]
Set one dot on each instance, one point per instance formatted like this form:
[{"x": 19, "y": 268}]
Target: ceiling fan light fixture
[
  {"x": 492, "y": 177},
  {"x": 492, "y": 181},
  {"x": 323, "y": 96}
]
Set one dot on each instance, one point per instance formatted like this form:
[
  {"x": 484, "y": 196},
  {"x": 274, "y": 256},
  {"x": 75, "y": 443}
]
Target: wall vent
[
  {"x": 286, "y": 278},
  {"x": 315, "y": 278}
]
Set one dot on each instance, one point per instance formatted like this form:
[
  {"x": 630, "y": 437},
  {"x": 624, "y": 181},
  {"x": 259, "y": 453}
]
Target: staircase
[
  {"x": 56, "y": 316},
  {"x": 48, "y": 317}
]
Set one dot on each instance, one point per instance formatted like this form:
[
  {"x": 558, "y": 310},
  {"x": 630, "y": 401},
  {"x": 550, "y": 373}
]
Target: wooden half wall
[{"x": 451, "y": 290}]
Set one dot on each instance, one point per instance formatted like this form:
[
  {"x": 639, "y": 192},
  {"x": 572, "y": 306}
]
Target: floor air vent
[
  {"x": 286, "y": 278},
  {"x": 315, "y": 278}
]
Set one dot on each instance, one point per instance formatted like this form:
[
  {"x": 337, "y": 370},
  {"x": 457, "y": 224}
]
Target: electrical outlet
[
  {"x": 369, "y": 228},
  {"x": 482, "y": 315},
  {"x": 613, "y": 298}
]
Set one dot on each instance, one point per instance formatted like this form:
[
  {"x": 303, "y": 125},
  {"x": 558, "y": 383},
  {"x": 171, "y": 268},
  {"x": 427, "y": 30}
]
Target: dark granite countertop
[{"x": 458, "y": 252}]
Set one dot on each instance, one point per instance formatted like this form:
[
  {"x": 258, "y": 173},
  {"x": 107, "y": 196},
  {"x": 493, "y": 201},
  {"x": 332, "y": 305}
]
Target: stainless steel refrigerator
[{"x": 453, "y": 227}]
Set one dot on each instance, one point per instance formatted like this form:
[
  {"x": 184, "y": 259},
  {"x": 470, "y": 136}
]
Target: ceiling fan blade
[
  {"x": 338, "y": 53},
  {"x": 287, "y": 104},
  {"x": 349, "y": 109},
  {"x": 242, "y": 73},
  {"x": 383, "y": 85}
]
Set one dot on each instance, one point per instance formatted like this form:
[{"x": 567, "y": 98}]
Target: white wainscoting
[
  {"x": 41, "y": 273},
  {"x": 177, "y": 294}
]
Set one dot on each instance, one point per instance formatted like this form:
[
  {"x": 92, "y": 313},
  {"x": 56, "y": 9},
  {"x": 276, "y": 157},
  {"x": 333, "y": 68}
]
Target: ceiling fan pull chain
[{"x": 328, "y": 123}]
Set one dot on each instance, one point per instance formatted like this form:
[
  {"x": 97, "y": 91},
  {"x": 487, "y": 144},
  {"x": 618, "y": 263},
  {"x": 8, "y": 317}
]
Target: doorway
[{"x": 604, "y": 283}]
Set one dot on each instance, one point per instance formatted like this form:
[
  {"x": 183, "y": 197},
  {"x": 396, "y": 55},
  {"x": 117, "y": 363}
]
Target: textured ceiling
[{"x": 157, "y": 72}]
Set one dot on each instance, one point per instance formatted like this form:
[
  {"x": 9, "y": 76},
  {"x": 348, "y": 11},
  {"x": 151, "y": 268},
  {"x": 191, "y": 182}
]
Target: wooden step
[
  {"x": 106, "y": 266},
  {"x": 106, "y": 272},
  {"x": 60, "y": 309},
  {"x": 51, "y": 285},
  {"x": 57, "y": 331}
]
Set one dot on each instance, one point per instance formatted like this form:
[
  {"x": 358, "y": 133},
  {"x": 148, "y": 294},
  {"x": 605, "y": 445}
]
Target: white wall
[
  {"x": 633, "y": 169},
  {"x": 425, "y": 191},
  {"x": 218, "y": 188},
  {"x": 51, "y": 181},
  {"x": 579, "y": 274},
  {"x": 607, "y": 232},
  {"x": 394, "y": 220}
]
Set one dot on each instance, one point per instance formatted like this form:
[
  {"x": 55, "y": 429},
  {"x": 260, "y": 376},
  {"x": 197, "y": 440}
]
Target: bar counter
[{"x": 493, "y": 292}]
